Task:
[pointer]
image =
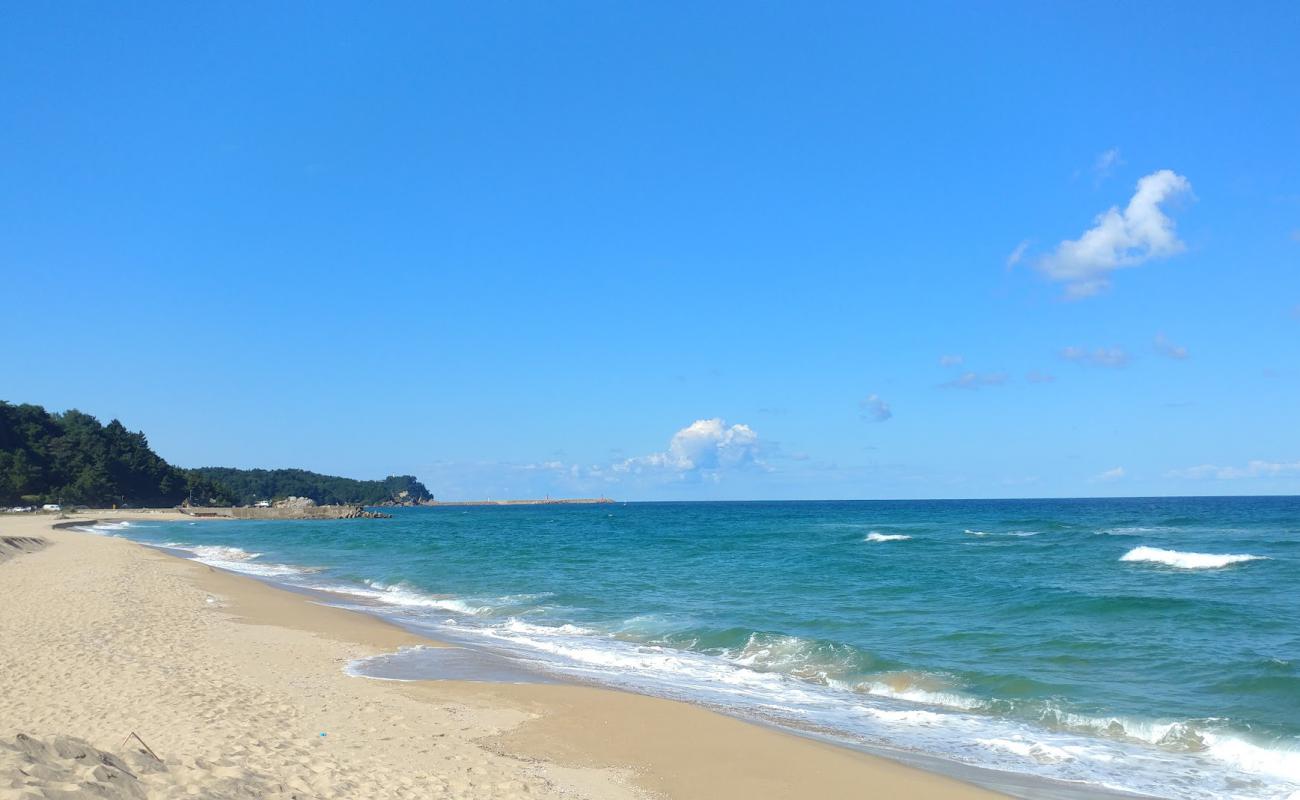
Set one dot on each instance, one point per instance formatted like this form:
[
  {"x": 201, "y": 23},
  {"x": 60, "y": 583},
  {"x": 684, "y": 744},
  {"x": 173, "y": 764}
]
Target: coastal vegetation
[
  {"x": 71, "y": 458},
  {"x": 249, "y": 486}
]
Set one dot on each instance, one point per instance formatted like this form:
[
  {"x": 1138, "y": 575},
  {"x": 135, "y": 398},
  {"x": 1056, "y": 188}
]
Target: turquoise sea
[{"x": 1142, "y": 645}]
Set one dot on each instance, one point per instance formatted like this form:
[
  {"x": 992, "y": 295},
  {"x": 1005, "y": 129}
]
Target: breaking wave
[
  {"x": 236, "y": 559},
  {"x": 1181, "y": 560},
  {"x": 103, "y": 528}
]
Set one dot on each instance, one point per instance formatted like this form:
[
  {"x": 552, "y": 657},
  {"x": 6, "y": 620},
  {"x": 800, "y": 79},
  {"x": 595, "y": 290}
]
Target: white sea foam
[
  {"x": 219, "y": 553},
  {"x": 976, "y": 533},
  {"x": 908, "y": 716},
  {"x": 515, "y": 625},
  {"x": 915, "y": 711},
  {"x": 918, "y": 694},
  {"x": 1181, "y": 560},
  {"x": 1038, "y": 751},
  {"x": 104, "y": 528},
  {"x": 403, "y": 594},
  {"x": 1249, "y": 757},
  {"x": 886, "y": 537},
  {"x": 783, "y": 679},
  {"x": 236, "y": 559},
  {"x": 802, "y": 658}
]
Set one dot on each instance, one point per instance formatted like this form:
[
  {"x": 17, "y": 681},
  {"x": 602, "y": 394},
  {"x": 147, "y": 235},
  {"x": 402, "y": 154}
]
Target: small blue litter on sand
[{"x": 322, "y": 734}]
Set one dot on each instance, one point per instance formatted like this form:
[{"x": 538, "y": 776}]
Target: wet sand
[{"x": 232, "y": 682}]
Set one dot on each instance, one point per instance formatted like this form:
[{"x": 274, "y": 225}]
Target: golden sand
[{"x": 230, "y": 683}]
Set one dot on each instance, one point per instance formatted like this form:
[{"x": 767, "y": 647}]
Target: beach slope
[{"x": 127, "y": 672}]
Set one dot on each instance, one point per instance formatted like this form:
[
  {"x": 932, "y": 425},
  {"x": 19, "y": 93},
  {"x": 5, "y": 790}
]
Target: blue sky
[{"x": 665, "y": 251}]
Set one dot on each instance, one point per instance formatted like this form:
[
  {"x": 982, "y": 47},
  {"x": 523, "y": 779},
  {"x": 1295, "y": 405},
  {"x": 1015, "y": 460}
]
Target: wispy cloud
[
  {"x": 1105, "y": 164},
  {"x": 1167, "y": 348},
  {"x": 1109, "y": 475},
  {"x": 975, "y": 380},
  {"x": 1017, "y": 254},
  {"x": 1037, "y": 376},
  {"x": 1139, "y": 233},
  {"x": 706, "y": 446},
  {"x": 1253, "y": 469},
  {"x": 1113, "y": 357},
  {"x": 951, "y": 361},
  {"x": 874, "y": 409}
]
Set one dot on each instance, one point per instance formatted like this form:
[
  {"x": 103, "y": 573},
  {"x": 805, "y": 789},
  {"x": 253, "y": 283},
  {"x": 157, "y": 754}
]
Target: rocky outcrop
[
  {"x": 298, "y": 503},
  {"x": 406, "y": 499}
]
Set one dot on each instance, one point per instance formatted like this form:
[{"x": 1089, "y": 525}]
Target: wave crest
[{"x": 1182, "y": 560}]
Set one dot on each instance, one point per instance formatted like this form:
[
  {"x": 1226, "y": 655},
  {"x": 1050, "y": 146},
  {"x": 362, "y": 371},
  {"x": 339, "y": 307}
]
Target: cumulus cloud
[
  {"x": 1139, "y": 233},
  {"x": 874, "y": 409},
  {"x": 1017, "y": 254},
  {"x": 1254, "y": 469},
  {"x": 975, "y": 380},
  {"x": 1037, "y": 376},
  {"x": 1110, "y": 475},
  {"x": 1167, "y": 348},
  {"x": 1114, "y": 357},
  {"x": 704, "y": 446},
  {"x": 951, "y": 361}
]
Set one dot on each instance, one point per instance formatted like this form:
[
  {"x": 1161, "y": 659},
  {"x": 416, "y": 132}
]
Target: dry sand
[{"x": 231, "y": 683}]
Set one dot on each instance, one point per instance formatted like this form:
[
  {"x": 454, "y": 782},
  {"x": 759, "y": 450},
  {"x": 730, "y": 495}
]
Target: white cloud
[
  {"x": 1035, "y": 376},
  {"x": 951, "y": 361},
  {"x": 1139, "y": 233},
  {"x": 1167, "y": 348},
  {"x": 1110, "y": 475},
  {"x": 1254, "y": 469},
  {"x": 1105, "y": 164},
  {"x": 1100, "y": 357},
  {"x": 874, "y": 409},
  {"x": 975, "y": 380},
  {"x": 1017, "y": 254},
  {"x": 704, "y": 446}
]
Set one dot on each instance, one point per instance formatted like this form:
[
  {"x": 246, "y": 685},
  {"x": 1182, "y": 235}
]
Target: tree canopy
[
  {"x": 251, "y": 485},
  {"x": 71, "y": 458}
]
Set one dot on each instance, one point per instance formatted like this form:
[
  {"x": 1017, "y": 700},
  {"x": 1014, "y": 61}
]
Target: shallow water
[{"x": 1148, "y": 645}]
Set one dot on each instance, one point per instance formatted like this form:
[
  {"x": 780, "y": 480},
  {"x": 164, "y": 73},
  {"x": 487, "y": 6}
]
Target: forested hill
[
  {"x": 71, "y": 458},
  {"x": 251, "y": 485}
]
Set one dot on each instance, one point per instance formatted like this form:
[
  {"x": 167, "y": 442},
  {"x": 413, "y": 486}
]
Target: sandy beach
[{"x": 237, "y": 689}]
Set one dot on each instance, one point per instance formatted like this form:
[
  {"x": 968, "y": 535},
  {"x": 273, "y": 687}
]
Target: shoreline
[
  {"x": 549, "y": 501},
  {"x": 549, "y": 739}
]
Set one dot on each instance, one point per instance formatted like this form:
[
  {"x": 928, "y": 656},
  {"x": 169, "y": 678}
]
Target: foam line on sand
[{"x": 240, "y": 689}]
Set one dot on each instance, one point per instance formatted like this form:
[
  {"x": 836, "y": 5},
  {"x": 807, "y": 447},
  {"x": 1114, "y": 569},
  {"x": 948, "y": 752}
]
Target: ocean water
[{"x": 1141, "y": 645}]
